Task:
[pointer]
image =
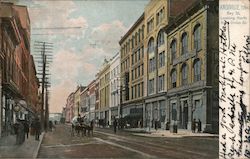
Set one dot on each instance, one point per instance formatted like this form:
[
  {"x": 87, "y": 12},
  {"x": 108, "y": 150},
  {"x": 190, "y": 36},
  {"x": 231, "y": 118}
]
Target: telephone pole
[{"x": 44, "y": 56}]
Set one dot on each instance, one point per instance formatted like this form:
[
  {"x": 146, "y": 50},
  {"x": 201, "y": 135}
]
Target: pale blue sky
[{"x": 79, "y": 53}]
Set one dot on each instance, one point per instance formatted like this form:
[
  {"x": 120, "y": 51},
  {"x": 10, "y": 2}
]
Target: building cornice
[{"x": 138, "y": 21}]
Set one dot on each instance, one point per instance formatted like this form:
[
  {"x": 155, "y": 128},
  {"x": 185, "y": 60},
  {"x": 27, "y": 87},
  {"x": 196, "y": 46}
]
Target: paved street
[{"x": 106, "y": 144}]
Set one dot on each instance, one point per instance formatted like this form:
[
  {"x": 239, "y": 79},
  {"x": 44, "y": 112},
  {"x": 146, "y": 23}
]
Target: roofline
[
  {"x": 175, "y": 21},
  {"x": 132, "y": 28}
]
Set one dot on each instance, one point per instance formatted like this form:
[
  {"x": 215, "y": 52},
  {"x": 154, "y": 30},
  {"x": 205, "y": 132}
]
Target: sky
[{"x": 92, "y": 30}]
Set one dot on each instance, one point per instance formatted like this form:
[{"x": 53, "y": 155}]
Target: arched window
[
  {"x": 184, "y": 74},
  {"x": 197, "y": 70},
  {"x": 160, "y": 39},
  {"x": 184, "y": 44},
  {"x": 173, "y": 49},
  {"x": 151, "y": 45},
  {"x": 197, "y": 37},
  {"x": 173, "y": 78}
]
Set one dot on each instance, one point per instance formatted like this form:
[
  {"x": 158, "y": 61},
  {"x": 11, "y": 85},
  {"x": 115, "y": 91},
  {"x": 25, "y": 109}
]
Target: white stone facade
[{"x": 114, "y": 88}]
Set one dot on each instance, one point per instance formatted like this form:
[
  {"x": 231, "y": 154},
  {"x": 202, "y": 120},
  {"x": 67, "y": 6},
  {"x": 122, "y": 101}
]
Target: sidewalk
[
  {"x": 167, "y": 133},
  {"x": 29, "y": 149}
]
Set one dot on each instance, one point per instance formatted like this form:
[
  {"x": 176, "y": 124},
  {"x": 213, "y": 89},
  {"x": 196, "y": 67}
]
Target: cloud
[
  {"x": 70, "y": 67},
  {"x": 107, "y": 36},
  {"x": 67, "y": 68},
  {"x": 53, "y": 16}
]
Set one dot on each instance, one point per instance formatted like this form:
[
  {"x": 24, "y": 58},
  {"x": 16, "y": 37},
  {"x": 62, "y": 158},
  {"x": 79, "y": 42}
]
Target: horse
[
  {"x": 89, "y": 128},
  {"x": 83, "y": 128}
]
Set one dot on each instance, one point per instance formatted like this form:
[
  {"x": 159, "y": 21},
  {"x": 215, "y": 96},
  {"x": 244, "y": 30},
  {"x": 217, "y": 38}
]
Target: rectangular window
[
  {"x": 161, "y": 83},
  {"x": 142, "y": 33},
  {"x": 135, "y": 71},
  {"x": 142, "y": 69},
  {"x": 139, "y": 70},
  {"x": 151, "y": 86},
  {"x": 132, "y": 94},
  {"x": 150, "y": 25},
  {"x": 138, "y": 55},
  {"x": 132, "y": 74},
  {"x": 139, "y": 90},
  {"x": 142, "y": 88}
]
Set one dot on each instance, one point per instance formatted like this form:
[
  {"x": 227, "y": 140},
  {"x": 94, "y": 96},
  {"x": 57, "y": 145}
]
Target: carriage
[{"x": 80, "y": 126}]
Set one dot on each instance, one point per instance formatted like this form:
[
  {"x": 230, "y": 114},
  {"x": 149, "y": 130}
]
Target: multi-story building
[
  {"x": 114, "y": 109},
  {"x": 147, "y": 93},
  {"x": 77, "y": 100},
  {"x": 97, "y": 98},
  {"x": 84, "y": 102},
  {"x": 33, "y": 86},
  {"x": 143, "y": 65},
  {"x": 18, "y": 76},
  {"x": 192, "y": 45},
  {"x": 70, "y": 107},
  {"x": 92, "y": 100},
  {"x": 132, "y": 72},
  {"x": 104, "y": 91},
  {"x": 156, "y": 18}
]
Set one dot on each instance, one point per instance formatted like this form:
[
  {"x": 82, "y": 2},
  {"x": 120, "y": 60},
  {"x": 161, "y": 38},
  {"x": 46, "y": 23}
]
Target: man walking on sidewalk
[
  {"x": 37, "y": 129},
  {"x": 19, "y": 132},
  {"x": 115, "y": 125},
  {"x": 26, "y": 128}
]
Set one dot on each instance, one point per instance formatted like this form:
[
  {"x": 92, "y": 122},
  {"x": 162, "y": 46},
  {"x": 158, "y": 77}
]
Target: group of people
[
  {"x": 22, "y": 129},
  {"x": 196, "y": 124}
]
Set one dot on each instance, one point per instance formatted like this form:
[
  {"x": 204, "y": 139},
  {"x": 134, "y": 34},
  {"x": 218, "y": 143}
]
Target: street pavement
[
  {"x": 105, "y": 144},
  {"x": 29, "y": 149}
]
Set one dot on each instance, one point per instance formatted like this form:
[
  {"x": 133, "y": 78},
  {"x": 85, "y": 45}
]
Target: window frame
[
  {"x": 197, "y": 37},
  {"x": 184, "y": 43},
  {"x": 197, "y": 70},
  {"x": 173, "y": 51},
  {"x": 173, "y": 76}
]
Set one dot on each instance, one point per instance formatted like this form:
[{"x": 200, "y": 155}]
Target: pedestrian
[
  {"x": 20, "y": 132},
  {"x": 156, "y": 126},
  {"x": 50, "y": 125},
  {"x": 37, "y": 129},
  {"x": 26, "y": 128},
  {"x": 115, "y": 125},
  {"x": 199, "y": 126},
  {"x": 193, "y": 126}
]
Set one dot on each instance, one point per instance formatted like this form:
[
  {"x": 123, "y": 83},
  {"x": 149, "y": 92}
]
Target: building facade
[
  {"x": 92, "y": 100},
  {"x": 193, "y": 67},
  {"x": 156, "y": 17},
  {"x": 70, "y": 108},
  {"x": 104, "y": 91},
  {"x": 77, "y": 100},
  {"x": 151, "y": 73},
  {"x": 114, "y": 109},
  {"x": 97, "y": 98},
  {"x": 19, "y": 85},
  {"x": 84, "y": 102},
  {"x": 132, "y": 73}
]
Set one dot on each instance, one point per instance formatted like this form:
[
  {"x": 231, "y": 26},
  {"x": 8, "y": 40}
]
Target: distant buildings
[
  {"x": 69, "y": 114},
  {"x": 114, "y": 109},
  {"x": 168, "y": 69},
  {"x": 18, "y": 81}
]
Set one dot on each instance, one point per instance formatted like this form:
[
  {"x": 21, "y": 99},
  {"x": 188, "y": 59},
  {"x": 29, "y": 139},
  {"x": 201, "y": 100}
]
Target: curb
[{"x": 38, "y": 147}]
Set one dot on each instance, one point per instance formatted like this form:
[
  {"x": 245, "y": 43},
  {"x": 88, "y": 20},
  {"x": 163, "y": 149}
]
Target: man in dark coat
[
  {"x": 37, "y": 129},
  {"x": 199, "y": 126},
  {"x": 193, "y": 125},
  {"x": 115, "y": 125},
  {"x": 19, "y": 132},
  {"x": 26, "y": 128}
]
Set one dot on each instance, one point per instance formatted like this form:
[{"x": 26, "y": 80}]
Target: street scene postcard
[{"x": 125, "y": 79}]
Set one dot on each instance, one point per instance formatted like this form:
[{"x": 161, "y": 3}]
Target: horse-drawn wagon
[{"x": 80, "y": 126}]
